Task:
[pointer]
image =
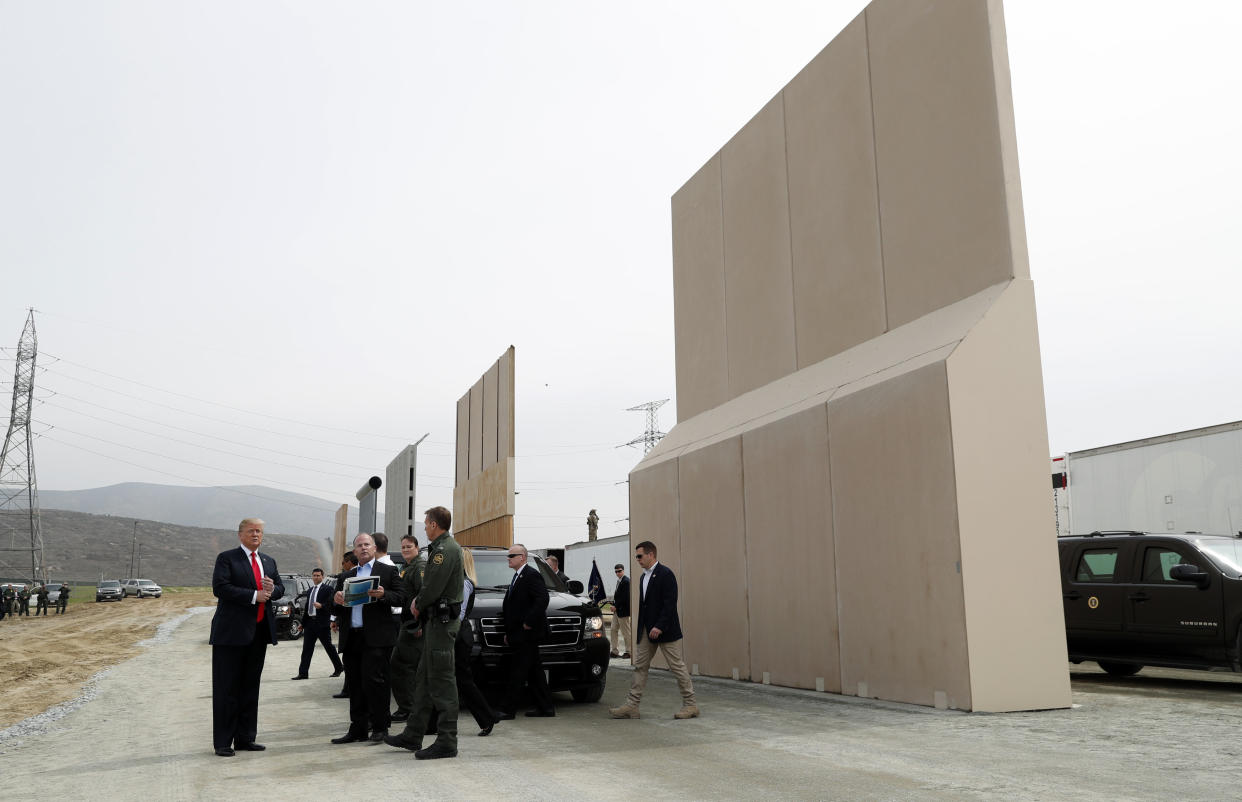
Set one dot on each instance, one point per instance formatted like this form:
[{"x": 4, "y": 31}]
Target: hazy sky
[{"x": 298, "y": 232}]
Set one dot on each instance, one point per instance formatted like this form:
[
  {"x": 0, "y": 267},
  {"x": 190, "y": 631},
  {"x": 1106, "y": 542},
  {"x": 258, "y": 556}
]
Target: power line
[{"x": 225, "y": 406}]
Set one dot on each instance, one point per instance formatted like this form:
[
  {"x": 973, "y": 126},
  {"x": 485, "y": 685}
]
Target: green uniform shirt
[
  {"x": 412, "y": 583},
  {"x": 443, "y": 578}
]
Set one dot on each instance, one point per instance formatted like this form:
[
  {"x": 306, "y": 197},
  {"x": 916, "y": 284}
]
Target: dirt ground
[{"x": 46, "y": 659}]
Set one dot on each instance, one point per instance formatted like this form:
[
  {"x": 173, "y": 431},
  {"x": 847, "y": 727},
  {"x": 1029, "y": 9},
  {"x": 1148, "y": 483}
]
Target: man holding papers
[{"x": 368, "y": 634}]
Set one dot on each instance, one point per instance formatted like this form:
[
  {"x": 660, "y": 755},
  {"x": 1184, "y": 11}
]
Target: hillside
[
  {"x": 217, "y": 507},
  {"x": 85, "y": 548}
]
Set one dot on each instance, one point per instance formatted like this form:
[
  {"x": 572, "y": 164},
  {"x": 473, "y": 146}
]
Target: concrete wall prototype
[
  {"x": 401, "y": 516},
  {"x": 483, "y": 497},
  {"x": 341, "y": 539},
  {"x": 860, "y": 453}
]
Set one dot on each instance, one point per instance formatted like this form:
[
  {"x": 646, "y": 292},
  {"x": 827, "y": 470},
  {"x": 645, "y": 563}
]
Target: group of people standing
[
  {"x": 16, "y": 601},
  {"x": 412, "y": 641}
]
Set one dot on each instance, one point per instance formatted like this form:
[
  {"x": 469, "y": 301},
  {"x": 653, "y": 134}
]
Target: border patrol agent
[
  {"x": 437, "y": 607},
  {"x": 403, "y": 667}
]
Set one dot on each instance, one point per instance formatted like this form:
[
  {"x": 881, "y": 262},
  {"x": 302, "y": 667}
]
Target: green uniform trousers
[
  {"x": 403, "y": 667},
  {"x": 436, "y": 688}
]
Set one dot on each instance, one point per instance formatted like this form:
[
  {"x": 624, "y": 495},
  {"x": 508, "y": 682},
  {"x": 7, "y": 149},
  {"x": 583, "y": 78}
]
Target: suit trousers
[
  {"x": 436, "y": 686},
  {"x": 403, "y": 667},
  {"x": 620, "y": 632},
  {"x": 235, "y": 674},
  {"x": 526, "y": 668},
  {"x": 366, "y": 673},
  {"x": 322, "y": 634},
  {"x": 676, "y": 664},
  {"x": 468, "y": 694}
]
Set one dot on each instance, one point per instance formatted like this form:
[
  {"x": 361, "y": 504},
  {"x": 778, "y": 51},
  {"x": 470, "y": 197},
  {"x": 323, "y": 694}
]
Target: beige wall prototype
[
  {"x": 340, "y": 538},
  {"x": 861, "y": 443},
  {"x": 483, "y": 497}
]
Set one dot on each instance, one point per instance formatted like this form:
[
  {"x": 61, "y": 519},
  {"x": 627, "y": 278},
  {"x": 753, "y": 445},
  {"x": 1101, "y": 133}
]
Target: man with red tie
[{"x": 244, "y": 583}]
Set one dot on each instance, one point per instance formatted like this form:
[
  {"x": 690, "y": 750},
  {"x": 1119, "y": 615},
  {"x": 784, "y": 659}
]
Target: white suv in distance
[{"x": 141, "y": 587}]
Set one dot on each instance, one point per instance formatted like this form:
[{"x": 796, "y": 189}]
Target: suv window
[
  {"x": 1096, "y": 565},
  {"x": 109, "y": 583},
  {"x": 1157, "y": 560}
]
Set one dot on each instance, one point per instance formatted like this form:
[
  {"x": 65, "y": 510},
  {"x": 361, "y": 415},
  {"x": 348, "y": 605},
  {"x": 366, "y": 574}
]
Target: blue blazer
[
  {"x": 658, "y": 606},
  {"x": 233, "y": 584}
]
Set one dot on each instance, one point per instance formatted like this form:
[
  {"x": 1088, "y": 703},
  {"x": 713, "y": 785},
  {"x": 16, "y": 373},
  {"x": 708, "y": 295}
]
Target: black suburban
[
  {"x": 1134, "y": 599},
  {"x": 575, "y": 655}
]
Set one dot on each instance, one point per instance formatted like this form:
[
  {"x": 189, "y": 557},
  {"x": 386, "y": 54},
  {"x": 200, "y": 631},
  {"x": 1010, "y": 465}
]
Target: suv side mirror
[
  {"x": 1189, "y": 573},
  {"x": 575, "y": 587}
]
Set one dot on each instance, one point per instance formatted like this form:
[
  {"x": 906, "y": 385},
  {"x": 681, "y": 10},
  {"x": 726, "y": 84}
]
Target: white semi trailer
[{"x": 1184, "y": 482}]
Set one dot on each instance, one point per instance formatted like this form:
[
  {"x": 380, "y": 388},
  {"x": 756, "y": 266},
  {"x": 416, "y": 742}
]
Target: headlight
[{"x": 594, "y": 623}]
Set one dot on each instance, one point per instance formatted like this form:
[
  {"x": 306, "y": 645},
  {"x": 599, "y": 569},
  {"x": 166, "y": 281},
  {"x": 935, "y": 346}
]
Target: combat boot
[
  {"x": 624, "y": 711},
  {"x": 687, "y": 711}
]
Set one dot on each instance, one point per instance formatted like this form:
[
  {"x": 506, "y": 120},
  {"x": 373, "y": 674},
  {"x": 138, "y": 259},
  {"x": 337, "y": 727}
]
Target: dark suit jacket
[
  {"x": 379, "y": 625},
  {"x": 526, "y": 602},
  {"x": 233, "y": 584},
  {"x": 322, "y": 617},
  {"x": 621, "y": 598},
  {"x": 658, "y": 607}
]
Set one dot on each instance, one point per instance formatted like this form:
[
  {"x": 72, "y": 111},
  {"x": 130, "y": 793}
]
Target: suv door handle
[
  {"x": 1073, "y": 595},
  {"x": 1141, "y": 596}
]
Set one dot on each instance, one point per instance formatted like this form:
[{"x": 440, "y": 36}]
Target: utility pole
[
  {"x": 652, "y": 435},
  {"x": 19, "y": 492},
  {"x": 133, "y": 550}
]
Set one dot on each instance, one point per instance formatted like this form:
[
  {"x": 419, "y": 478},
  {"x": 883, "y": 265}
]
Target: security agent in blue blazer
[{"x": 241, "y": 629}]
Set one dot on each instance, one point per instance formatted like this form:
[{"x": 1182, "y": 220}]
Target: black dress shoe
[
  {"x": 486, "y": 731},
  {"x": 504, "y": 715},
  {"x": 340, "y": 696},
  {"x": 350, "y": 737},
  {"x": 401, "y": 743},
  {"x": 400, "y": 716},
  {"x": 300, "y": 676},
  {"x": 251, "y": 747},
  {"x": 225, "y": 752},
  {"x": 540, "y": 713},
  {"x": 378, "y": 736},
  {"x": 434, "y": 752},
  {"x": 338, "y": 672}
]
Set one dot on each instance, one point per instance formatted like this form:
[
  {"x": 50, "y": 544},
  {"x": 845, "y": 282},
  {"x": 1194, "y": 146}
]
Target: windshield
[
  {"x": 1225, "y": 552},
  {"x": 146, "y": 583},
  {"x": 110, "y": 583},
  {"x": 493, "y": 570}
]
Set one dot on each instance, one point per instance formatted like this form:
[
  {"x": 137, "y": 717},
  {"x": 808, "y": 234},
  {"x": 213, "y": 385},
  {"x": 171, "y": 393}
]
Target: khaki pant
[
  {"x": 620, "y": 632},
  {"x": 676, "y": 663}
]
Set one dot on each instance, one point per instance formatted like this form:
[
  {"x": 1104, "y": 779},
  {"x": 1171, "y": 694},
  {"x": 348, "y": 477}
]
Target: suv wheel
[
  {"x": 295, "y": 629},
  {"x": 591, "y": 693},
  {"x": 1119, "y": 669}
]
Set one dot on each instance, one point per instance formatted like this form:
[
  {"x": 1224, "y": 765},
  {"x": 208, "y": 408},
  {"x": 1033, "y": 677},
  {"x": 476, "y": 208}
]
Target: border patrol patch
[{"x": 439, "y": 558}]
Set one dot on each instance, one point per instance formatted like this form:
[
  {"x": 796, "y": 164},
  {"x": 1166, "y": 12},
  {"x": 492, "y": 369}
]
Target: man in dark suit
[
  {"x": 621, "y": 613},
  {"x": 316, "y": 626},
  {"x": 368, "y": 633},
  {"x": 525, "y": 612},
  {"x": 658, "y": 627},
  {"x": 244, "y": 583}
]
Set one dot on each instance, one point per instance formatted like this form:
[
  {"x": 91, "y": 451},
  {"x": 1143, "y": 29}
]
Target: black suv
[
  {"x": 575, "y": 655},
  {"x": 289, "y": 607},
  {"x": 1135, "y": 598}
]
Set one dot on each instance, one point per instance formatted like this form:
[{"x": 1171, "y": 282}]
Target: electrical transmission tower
[
  {"x": 653, "y": 434},
  {"x": 19, "y": 493}
]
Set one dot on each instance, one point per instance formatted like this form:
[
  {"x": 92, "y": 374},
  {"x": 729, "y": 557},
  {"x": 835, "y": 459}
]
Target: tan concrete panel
[
  {"x": 504, "y": 420},
  {"x": 899, "y": 586},
  {"x": 491, "y": 413},
  {"x": 712, "y": 581},
  {"x": 497, "y": 532},
  {"x": 476, "y": 428},
  {"x": 340, "y": 537},
  {"x": 1008, "y": 141},
  {"x": 790, "y": 557},
  {"x": 758, "y": 271},
  {"x": 1008, "y": 535},
  {"x": 699, "y": 293},
  {"x": 463, "y": 438},
  {"x": 838, "y": 279},
  {"x": 487, "y": 496},
  {"x": 942, "y": 183}
]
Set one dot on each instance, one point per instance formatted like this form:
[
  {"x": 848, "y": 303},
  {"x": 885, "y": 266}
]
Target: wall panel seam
[
  {"x": 724, "y": 285},
  {"x": 793, "y": 267},
  {"x": 875, "y": 160}
]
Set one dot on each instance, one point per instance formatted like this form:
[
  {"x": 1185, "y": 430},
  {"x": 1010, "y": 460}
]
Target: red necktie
[{"x": 258, "y": 583}]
